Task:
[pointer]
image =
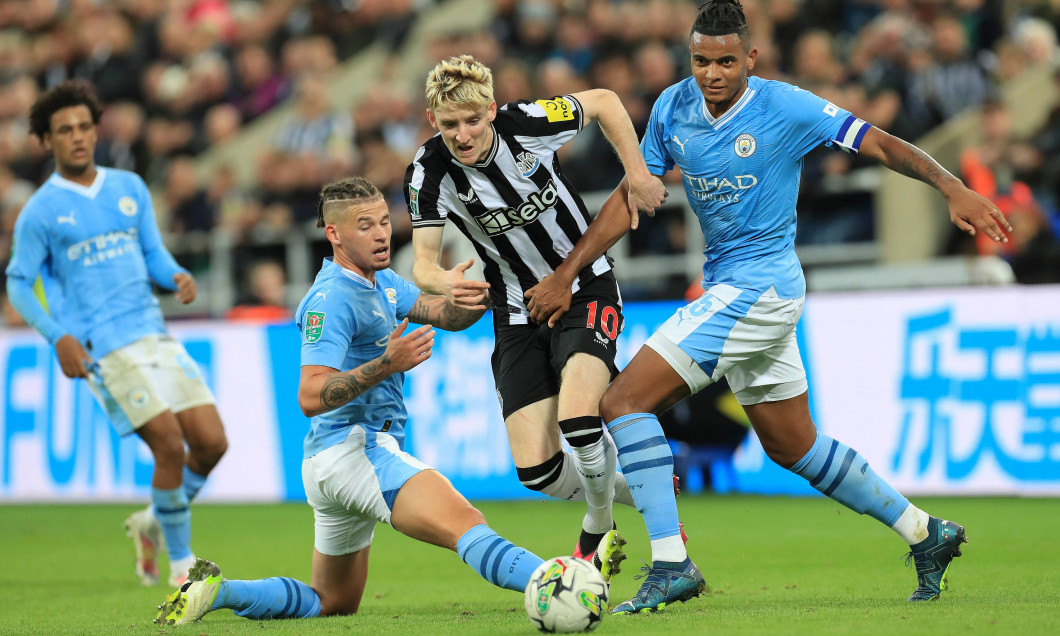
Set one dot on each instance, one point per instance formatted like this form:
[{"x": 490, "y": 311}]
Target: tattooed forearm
[
  {"x": 435, "y": 310},
  {"x": 342, "y": 388},
  {"x": 420, "y": 312},
  {"x": 914, "y": 162},
  {"x": 457, "y": 318}
]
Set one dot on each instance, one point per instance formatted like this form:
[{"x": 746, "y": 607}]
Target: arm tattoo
[
  {"x": 437, "y": 311},
  {"x": 917, "y": 164},
  {"x": 342, "y": 388}
]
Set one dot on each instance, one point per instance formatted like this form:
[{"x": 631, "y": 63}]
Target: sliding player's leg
[{"x": 428, "y": 508}]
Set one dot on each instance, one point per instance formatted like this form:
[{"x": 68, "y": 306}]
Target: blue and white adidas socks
[
  {"x": 648, "y": 466},
  {"x": 496, "y": 559},
  {"x": 840, "y": 472},
  {"x": 277, "y": 597}
]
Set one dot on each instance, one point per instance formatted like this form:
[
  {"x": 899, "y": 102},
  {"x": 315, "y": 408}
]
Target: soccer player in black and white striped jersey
[{"x": 493, "y": 172}]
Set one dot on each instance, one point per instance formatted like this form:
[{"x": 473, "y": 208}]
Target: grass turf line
[{"x": 774, "y": 565}]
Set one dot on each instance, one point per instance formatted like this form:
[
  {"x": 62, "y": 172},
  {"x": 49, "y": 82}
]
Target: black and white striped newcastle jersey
[{"x": 516, "y": 207}]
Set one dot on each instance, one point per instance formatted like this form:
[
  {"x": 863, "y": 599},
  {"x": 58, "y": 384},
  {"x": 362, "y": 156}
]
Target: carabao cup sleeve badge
[{"x": 314, "y": 325}]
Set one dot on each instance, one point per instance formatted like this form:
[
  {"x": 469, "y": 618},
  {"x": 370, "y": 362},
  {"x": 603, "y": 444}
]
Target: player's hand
[
  {"x": 971, "y": 211},
  {"x": 549, "y": 300},
  {"x": 462, "y": 292},
  {"x": 645, "y": 195},
  {"x": 185, "y": 287},
  {"x": 404, "y": 351},
  {"x": 73, "y": 358}
]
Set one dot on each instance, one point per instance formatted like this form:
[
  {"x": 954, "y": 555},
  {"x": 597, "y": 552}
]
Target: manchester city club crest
[
  {"x": 745, "y": 145},
  {"x": 127, "y": 205}
]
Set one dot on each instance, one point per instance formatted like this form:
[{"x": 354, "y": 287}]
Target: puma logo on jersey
[
  {"x": 323, "y": 294},
  {"x": 67, "y": 219},
  {"x": 470, "y": 197},
  {"x": 680, "y": 143}
]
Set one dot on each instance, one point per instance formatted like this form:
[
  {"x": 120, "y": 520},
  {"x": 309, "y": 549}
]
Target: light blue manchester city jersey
[
  {"x": 345, "y": 322},
  {"x": 741, "y": 173},
  {"x": 98, "y": 249}
]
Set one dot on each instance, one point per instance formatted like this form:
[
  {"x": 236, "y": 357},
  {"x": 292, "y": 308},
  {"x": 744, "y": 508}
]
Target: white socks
[{"x": 912, "y": 525}]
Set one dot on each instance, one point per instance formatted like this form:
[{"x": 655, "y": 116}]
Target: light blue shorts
[
  {"x": 745, "y": 336},
  {"x": 352, "y": 486}
]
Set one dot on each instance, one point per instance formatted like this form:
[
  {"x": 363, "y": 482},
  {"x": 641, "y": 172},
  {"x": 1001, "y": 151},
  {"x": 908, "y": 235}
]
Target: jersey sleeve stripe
[{"x": 578, "y": 109}]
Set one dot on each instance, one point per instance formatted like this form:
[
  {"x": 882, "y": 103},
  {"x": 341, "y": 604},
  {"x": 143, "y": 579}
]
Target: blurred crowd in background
[{"x": 179, "y": 77}]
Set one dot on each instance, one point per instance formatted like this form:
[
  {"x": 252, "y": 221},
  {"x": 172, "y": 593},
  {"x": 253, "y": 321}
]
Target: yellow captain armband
[{"x": 558, "y": 109}]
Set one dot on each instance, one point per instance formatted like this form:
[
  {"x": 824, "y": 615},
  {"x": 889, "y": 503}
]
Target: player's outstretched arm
[
  {"x": 431, "y": 278},
  {"x": 431, "y": 309},
  {"x": 550, "y": 298},
  {"x": 969, "y": 210},
  {"x": 322, "y": 389},
  {"x": 646, "y": 192}
]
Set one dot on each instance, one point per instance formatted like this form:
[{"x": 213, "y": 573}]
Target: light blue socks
[
  {"x": 648, "y": 467},
  {"x": 193, "y": 483},
  {"x": 841, "y": 473},
  {"x": 277, "y": 597},
  {"x": 171, "y": 510},
  {"x": 496, "y": 559}
]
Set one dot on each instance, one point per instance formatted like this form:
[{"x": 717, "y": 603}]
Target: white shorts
[
  {"x": 746, "y": 337},
  {"x": 142, "y": 380},
  {"x": 352, "y": 485}
]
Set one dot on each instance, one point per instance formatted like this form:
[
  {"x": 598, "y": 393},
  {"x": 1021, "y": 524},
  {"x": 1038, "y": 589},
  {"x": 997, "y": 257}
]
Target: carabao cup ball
[{"x": 566, "y": 595}]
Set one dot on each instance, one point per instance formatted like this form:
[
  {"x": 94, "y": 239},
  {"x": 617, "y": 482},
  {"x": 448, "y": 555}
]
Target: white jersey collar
[
  {"x": 728, "y": 115},
  {"x": 489, "y": 157},
  {"x": 89, "y": 192},
  {"x": 350, "y": 274}
]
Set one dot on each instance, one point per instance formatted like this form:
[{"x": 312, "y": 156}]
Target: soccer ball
[{"x": 566, "y": 595}]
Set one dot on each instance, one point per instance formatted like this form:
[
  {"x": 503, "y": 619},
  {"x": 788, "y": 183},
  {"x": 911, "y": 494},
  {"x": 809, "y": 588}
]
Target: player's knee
[
  {"x": 614, "y": 405},
  {"x": 780, "y": 452},
  {"x": 210, "y": 452},
  {"x": 168, "y": 449},
  {"x": 338, "y": 604}
]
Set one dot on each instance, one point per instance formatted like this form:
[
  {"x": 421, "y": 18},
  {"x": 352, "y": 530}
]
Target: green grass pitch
[{"x": 774, "y": 565}]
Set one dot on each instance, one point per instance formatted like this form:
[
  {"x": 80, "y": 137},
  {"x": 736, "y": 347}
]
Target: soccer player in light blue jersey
[
  {"x": 90, "y": 234},
  {"x": 739, "y": 142},
  {"x": 355, "y": 352}
]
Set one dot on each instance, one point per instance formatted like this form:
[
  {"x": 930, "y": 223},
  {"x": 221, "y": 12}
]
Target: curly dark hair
[
  {"x": 351, "y": 188},
  {"x": 722, "y": 17},
  {"x": 69, "y": 93}
]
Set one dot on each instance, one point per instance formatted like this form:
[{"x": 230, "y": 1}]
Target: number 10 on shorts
[{"x": 608, "y": 319}]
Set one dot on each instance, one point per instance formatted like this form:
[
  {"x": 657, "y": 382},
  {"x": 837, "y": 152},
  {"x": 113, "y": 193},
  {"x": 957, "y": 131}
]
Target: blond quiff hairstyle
[{"x": 460, "y": 81}]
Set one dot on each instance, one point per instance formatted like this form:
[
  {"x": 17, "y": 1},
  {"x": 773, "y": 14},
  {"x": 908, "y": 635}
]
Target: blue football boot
[
  {"x": 666, "y": 583},
  {"x": 932, "y": 557}
]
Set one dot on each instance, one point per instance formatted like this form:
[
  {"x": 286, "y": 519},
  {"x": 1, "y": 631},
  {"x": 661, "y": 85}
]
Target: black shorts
[{"x": 528, "y": 359}]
